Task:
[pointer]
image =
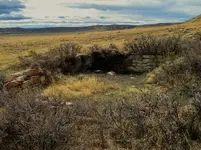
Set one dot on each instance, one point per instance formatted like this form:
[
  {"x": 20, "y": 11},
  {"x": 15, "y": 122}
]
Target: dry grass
[
  {"x": 12, "y": 46},
  {"x": 79, "y": 86}
]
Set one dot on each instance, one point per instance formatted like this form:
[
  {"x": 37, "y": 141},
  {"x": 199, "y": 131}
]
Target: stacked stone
[
  {"x": 31, "y": 77},
  {"x": 144, "y": 63}
]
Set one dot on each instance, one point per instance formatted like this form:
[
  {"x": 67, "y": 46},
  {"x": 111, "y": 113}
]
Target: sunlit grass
[
  {"x": 12, "y": 46},
  {"x": 79, "y": 86}
]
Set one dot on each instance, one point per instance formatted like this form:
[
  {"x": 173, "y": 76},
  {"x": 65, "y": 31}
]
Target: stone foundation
[{"x": 142, "y": 63}]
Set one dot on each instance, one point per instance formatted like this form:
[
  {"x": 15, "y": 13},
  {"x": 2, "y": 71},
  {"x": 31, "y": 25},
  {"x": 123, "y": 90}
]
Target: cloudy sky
[{"x": 51, "y": 13}]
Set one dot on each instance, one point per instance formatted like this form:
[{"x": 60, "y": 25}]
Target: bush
[
  {"x": 145, "y": 121},
  {"x": 32, "y": 123},
  {"x": 151, "y": 45},
  {"x": 2, "y": 80},
  {"x": 61, "y": 58},
  {"x": 183, "y": 72}
]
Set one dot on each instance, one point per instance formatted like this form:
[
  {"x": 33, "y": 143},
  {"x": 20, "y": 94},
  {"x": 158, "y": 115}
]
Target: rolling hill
[
  {"x": 75, "y": 29},
  {"x": 195, "y": 20}
]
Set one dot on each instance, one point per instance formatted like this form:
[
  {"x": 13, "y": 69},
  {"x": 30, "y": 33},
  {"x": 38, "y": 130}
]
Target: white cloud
[{"x": 47, "y": 12}]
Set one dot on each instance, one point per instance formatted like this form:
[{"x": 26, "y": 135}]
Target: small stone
[
  {"x": 42, "y": 79},
  {"x": 148, "y": 56},
  {"x": 147, "y": 61},
  {"x": 98, "y": 71},
  {"x": 69, "y": 104},
  {"x": 112, "y": 73},
  {"x": 21, "y": 78}
]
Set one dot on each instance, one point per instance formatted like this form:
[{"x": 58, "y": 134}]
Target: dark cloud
[
  {"x": 13, "y": 17},
  {"x": 97, "y": 6},
  {"x": 158, "y": 11},
  {"x": 87, "y": 17},
  {"x": 102, "y": 17},
  {"x": 7, "y": 7},
  {"x": 61, "y": 17}
]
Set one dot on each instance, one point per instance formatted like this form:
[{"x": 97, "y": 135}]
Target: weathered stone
[
  {"x": 21, "y": 78},
  {"x": 43, "y": 79},
  {"x": 149, "y": 56},
  {"x": 98, "y": 71},
  {"x": 147, "y": 61},
  {"x": 16, "y": 75},
  {"x": 12, "y": 84},
  {"x": 112, "y": 73},
  {"x": 36, "y": 79},
  {"x": 34, "y": 72}
]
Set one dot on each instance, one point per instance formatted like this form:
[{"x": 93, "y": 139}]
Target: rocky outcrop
[{"x": 24, "y": 80}]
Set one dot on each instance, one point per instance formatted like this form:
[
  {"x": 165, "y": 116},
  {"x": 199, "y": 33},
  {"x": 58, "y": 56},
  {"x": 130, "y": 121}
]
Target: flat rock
[
  {"x": 34, "y": 72},
  {"x": 12, "y": 84},
  {"x": 112, "y": 73}
]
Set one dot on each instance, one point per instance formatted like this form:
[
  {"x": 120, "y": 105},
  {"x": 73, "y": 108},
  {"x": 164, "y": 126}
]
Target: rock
[
  {"x": 42, "y": 79},
  {"x": 12, "y": 84},
  {"x": 36, "y": 79},
  {"x": 34, "y": 72},
  {"x": 98, "y": 71},
  {"x": 149, "y": 56},
  {"x": 147, "y": 61},
  {"x": 16, "y": 75},
  {"x": 21, "y": 78},
  {"x": 112, "y": 73},
  {"x": 132, "y": 78}
]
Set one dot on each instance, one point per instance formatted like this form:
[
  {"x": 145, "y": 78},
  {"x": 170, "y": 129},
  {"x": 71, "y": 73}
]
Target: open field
[
  {"x": 12, "y": 46},
  {"x": 62, "y": 102}
]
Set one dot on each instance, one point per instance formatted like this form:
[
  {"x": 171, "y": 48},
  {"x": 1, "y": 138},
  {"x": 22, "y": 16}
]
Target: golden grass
[
  {"x": 12, "y": 46},
  {"x": 79, "y": 86}
]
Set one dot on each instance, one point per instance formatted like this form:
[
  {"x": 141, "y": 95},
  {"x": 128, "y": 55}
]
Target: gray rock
[
  {"x": 149, "y": 56},
  {"x": 112, "y": 73}
]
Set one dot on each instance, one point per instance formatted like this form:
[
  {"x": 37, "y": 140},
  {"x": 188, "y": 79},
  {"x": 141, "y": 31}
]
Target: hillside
[
  {"x": 74, "y": 29},
  {"x": 16, "y": 42},
  {"x": 195, "y": 20},
  {"x": 63, "y": 29}
]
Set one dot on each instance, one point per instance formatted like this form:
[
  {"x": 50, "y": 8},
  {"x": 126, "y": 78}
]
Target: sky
[{"x": 70, "y": 13}]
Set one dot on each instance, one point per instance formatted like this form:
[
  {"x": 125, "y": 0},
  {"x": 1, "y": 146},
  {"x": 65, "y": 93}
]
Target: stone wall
[
  {"x": 29, "y": 78},
  {"x": 142, "y": 63}
]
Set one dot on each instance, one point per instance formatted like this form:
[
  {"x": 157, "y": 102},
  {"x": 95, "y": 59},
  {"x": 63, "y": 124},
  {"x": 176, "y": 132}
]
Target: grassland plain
[
  {"x": 107, "y": 111},
  {"x": 12, "y": 46}
]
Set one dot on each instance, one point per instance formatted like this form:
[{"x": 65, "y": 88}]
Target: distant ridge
[
  {"x": 74, "y": 29},
  {"x": 195, "y": 20}
]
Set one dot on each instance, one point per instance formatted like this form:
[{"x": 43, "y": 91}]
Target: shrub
[
  {"x": 183, "y": 72},
  {"x": 35, "y": 122},
  {"x": 2, "y": 80},
  {"x": 151, "y": 45},
  {"x": 61, "y": 58},
  {"x": 145, "y": 121}
]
